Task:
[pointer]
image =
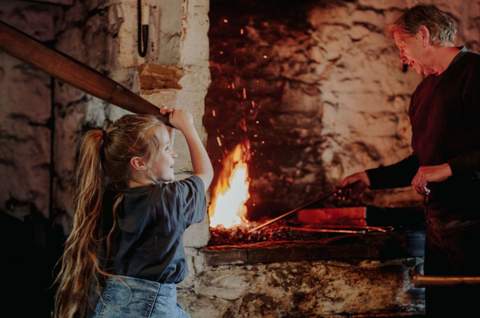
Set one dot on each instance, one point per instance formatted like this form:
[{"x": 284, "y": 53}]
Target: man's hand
[
  {"x": 359, "y": 176},
  {"x": 353, "y": 186},
  {"x": 426, "y": 174}
]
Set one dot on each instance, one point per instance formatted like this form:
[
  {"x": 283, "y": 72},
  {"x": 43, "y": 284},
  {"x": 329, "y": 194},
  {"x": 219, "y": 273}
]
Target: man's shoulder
[
  {"x": 471, "y": 66},
  {"x": 472, "y": 58},
  {"x": 472, "y": 54}
]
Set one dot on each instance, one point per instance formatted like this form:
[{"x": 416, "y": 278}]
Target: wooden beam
[{"x": 71, "y": 71}]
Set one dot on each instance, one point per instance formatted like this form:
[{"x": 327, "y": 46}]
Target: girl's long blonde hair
[{"x": 103, "y": 155}]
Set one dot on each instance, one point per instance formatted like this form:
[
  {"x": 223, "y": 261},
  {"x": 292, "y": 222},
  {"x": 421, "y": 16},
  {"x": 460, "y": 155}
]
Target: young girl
[{"x": 125, "y": 253}]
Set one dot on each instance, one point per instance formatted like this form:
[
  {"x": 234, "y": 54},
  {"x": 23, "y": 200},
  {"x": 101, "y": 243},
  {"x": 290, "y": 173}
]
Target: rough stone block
[
  {"x": 304, "y": 289},
  {"x": 154, "y": 77},
  {"x": 197, "y": 235}
]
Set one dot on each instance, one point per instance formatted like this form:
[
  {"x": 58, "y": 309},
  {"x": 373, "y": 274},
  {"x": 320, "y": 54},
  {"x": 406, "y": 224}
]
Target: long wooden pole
[
  {"x": 71, "y": 71},
  {"x": 430, "y": 280}
]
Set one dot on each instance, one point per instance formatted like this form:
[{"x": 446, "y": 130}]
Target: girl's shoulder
[
  {"x": 178, "y": 196},
  {"x": 190, "y": 185}
]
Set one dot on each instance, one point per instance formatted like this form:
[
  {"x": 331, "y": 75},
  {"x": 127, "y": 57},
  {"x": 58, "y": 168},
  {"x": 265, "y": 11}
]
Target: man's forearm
[{"x": 396, "y": 175}]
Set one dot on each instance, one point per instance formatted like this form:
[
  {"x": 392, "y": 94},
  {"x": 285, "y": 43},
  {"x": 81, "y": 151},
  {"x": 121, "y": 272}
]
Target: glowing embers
[{"x": 231, "y": 191}]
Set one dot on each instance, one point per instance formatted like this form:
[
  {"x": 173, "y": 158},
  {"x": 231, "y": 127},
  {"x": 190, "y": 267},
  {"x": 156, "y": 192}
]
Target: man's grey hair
[{"x": 442, "y": 27}]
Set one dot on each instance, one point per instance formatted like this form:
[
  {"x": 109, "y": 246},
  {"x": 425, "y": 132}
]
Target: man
[{"x": 445, "y": 163}]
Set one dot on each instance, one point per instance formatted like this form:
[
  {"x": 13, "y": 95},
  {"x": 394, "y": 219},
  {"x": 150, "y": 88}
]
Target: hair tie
[{"x": 104, "y": 135}]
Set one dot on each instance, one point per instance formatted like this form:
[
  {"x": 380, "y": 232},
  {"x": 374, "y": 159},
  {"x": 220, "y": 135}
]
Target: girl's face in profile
[{"x": 161, "y": 163}]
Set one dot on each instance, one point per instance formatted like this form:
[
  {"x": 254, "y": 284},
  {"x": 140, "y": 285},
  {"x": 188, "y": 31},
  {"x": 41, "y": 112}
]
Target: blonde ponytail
[{"x": 80, "y": 263}]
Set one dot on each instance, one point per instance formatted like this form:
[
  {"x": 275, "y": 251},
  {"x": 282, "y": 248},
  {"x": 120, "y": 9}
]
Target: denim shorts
[{"x": 125, "y": 297}]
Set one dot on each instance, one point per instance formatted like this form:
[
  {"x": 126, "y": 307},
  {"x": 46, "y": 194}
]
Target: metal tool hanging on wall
[{"x": 142, "y": 28}]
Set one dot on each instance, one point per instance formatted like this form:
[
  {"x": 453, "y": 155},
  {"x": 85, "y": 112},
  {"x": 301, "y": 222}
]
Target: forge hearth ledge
[
  {"x": 325, "y": 288},
  {"x": 375, "y": 246},
  {"x": 308, "y": 278}
]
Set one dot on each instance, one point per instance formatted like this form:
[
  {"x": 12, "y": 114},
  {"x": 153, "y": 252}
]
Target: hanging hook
[{"x": 142, "y": 29}]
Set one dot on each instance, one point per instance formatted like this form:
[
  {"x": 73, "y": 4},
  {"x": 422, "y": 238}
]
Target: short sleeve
[{"x": 191, "y": 199}]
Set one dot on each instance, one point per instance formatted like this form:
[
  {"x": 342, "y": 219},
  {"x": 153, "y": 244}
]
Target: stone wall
[
  {"x": 86, "y": 33},
  {"x": 25, "y": 115},
  {"x": 38, "y": 111},
  {"x": 318, "y": 90}
]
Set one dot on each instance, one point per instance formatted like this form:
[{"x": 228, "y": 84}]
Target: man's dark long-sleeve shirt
[{"x": 445, "y": 118}]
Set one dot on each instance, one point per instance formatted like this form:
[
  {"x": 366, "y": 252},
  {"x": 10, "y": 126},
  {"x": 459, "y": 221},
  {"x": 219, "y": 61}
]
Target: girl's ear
[{"x": 137, "y": 163}]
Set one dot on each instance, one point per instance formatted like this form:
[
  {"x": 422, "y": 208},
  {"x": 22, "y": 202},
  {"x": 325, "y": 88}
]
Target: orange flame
[{"x": 230, "y": 193}]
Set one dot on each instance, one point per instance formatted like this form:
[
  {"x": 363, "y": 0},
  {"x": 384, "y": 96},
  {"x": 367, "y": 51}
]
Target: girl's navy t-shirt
[{"x": 149, "y": 224}]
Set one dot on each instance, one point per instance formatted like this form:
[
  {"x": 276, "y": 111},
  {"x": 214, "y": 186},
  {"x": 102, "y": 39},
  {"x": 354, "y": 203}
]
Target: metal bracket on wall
[{"x": 142, "y": 29}]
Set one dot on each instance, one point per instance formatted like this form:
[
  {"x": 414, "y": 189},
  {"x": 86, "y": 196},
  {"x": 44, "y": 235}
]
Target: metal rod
[
  {"x": 325, "y": 230},
  {"x": 71, "y": 71},
  {"x": 293, "y": 211},
  {"x": 430, "y": 280}
]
